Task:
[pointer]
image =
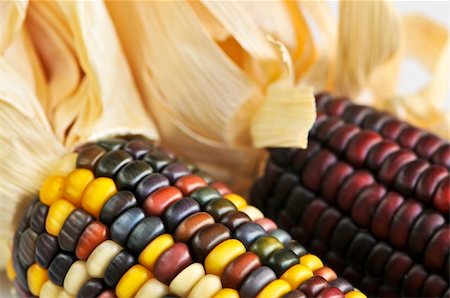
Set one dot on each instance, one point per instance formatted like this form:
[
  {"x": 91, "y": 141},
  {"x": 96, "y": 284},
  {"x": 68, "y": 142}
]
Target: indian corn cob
[
  {"x": 370, "y": 195},
  {"x": 130, "y": 219}
]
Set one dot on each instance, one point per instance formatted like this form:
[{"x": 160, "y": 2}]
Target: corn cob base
[
  {"x": 370, "y": 195},
  {"x": 132, "y": 220}
]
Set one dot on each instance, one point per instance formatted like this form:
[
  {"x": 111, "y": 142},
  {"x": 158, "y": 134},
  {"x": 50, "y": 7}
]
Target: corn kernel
[
  {"x": 276, "y": 288},
  {"x": 132, "y": 281},
  {"x": 296, "y": 275},
  {"x": 237, "y": 200},
  {"x": 222, "y": 255},
  {"x": 152, "y": 288},
  {"x": 355, "y": 294},
  {"x": 76, "y": 277},
  {"x": 57, "y": 215},
  {"x": 36, "y": 276},
  {"x": 311, "y": 261},
  {"x": 10, "y": 272},
  {"x": 101, "y": 257},
  {"x": 227, "y": 293},
  {"x": 252, "y": 212},
  {"x": 76, "y": 183},
  {"x": 154, "y": 249},
  {"x": 96, "y": 194},
  {"x": 50, "y": 290},
  {"x": 51, "y": 190},
  {"x": 207, "y": 286}
]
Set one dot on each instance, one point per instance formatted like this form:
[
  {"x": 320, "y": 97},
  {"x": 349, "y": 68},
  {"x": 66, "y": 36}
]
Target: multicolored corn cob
[
  {"x": 370, "y": 195},
  {"x": 131, "y": 220}
]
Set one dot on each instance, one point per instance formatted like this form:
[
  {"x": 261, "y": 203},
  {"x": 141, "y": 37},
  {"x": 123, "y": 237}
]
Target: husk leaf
[
  {"x": 368, "y": 39},
  {"x": 61, "y": 65}
]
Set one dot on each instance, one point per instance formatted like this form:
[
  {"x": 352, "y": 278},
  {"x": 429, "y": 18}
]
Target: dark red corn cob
[{"x": 372, "y": 199}]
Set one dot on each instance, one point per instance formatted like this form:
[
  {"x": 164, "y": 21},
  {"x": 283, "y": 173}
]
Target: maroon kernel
[
  {"x": 352, "y": 187},
  {"x": 442, "y": 156},
  {"x": 428, "y": 182},
  {"x": 422, "y": 231},
  {"x": 342, "y": 136},
  {"x": 331, "y": 293},
  {"x": 427, "y": 145},
  {"x": 326, "y": 128},
  {"x": 409, "y": 137},
  {"x": 366, "y": 203},
  {"x": 403, "y": 221},
  {"x": 438, "y": 249},
  {"x": 360, "y": 145},
  {"x": 333, "y": 179},
  {"x": 336, "y": 107},
  {"x": 384, "y": 214},
  {"x": 406, "y": 178},
  {"x": 393, "y": 163},
  {"x": 315, "y": 169},
  {"x": 356, "y": 114},
  {"x": 413, "y": 282},
  {"x": 313, "y": 286},
  {"x": 441, "y": 198},
  {"x": 377, "y": 259},
  {"x": 434, "y": 286},
  {"x": 379, "y": 153},
  {"x": 396, "y": 268},
  {"x": 392, "y": 129}
]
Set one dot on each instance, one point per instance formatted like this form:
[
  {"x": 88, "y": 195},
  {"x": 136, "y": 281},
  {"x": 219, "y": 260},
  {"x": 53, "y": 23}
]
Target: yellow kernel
[
  {"x": 130, "y": 283},
  {"x": 311, "y": 261},
  {"x": 227, "y": 293},
  {"x": 76, "y": 183},
  {"x": 355, "y": 294},
  {"x": 275, "y": 289},
  {"x": 222, "y": 255},
  {"x": 154, "y": 249},
  {"x": 96, "y": 194},
  {"x": 10, "y": 272},
  {"x": 51, "y": 190},
  {"x": 296, "y": 275},
  {"x": 36, "y": 276},
  {"x": 237, "y": 200},
  {"x": 57, "y": 215}
]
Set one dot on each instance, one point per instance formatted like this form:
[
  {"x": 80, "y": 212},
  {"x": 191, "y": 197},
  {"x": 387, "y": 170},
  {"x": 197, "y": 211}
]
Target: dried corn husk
[
  {"x": 215, "y": 91},
  {"x": 373, "y": 41},
  {"x": 60, "y": 66},
  {"x": 321, "y": 73},
  {"x": 368, "y": 40},
  {"x": 427, "y": 42}
]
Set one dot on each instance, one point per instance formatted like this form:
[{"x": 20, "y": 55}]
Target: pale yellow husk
[
  {"x": 368, "y": 39},
  {"x": 372, "y": 43},
  {"x": 215, "y": 80},
  {"x": 428, "y": 43},
  {"x": 63, "y": 80},
  {"x": 204, "y": 71}
]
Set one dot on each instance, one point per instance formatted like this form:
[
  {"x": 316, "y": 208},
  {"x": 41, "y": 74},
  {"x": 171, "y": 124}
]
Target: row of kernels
[
  {"x": 216, "y": 206},
  {"x": 367, "y": 202}
]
